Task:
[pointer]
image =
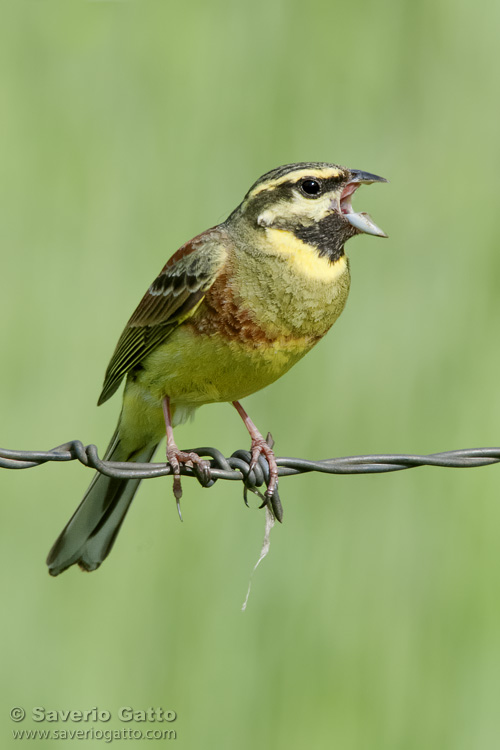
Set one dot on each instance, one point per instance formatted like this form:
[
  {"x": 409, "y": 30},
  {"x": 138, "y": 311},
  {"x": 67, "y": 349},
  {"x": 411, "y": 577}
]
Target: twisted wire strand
[{"x": 237, "y": 466}]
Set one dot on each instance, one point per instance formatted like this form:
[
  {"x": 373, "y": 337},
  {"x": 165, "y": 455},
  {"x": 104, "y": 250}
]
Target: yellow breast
[{"x": 263, "y": 313}]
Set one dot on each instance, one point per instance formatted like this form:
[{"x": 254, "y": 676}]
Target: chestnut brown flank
[{"x": 220, "y": 314}]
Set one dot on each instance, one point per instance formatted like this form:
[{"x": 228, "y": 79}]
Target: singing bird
[{"x": 230, "y": 312}]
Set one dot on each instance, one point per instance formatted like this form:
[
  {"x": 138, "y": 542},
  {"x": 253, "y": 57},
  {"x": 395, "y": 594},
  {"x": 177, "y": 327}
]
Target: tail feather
[{"x": 89, "y": 535}]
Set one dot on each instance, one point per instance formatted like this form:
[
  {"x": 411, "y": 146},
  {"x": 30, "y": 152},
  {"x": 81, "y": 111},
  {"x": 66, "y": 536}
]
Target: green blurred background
[{"x": 126, "y": 129}]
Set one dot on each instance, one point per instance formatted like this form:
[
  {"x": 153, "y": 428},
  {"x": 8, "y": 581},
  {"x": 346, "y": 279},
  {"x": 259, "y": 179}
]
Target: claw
[
  {"x": 260, "y": 447},
  {"x": 265, "y": 448},
  {"x": 178, "y": 489},
  {"x": 176, "y": 457}
]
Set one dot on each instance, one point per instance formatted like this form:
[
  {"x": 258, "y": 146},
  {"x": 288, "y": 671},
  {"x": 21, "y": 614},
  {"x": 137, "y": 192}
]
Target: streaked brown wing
[{"x": 172, "y": 297}]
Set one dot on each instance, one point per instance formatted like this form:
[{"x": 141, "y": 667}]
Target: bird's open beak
[{"x": 360, "y": 221}]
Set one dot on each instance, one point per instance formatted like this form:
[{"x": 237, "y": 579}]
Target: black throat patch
[{"x": 328, "y": 235}]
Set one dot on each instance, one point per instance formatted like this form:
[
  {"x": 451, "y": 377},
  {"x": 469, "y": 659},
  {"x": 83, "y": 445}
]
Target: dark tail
[{"x": 89, "y": 535}]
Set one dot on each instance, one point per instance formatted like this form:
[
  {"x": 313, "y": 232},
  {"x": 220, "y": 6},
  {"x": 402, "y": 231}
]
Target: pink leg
[
  {"x": 259, "y": 446},
  {"x": 175, "y": 457}
]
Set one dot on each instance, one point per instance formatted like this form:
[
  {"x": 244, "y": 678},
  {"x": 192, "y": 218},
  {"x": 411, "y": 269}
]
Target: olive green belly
[{"x": 194, "y": 369}]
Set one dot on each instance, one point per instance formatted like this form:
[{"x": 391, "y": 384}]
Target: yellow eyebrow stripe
[{"x": 324, "y": 174}]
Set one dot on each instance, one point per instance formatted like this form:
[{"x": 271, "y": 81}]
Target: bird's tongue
[{"x": 363, "y": 222}]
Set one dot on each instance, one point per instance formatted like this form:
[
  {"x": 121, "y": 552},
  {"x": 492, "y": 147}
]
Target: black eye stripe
[{"x": 313, "y": 187}]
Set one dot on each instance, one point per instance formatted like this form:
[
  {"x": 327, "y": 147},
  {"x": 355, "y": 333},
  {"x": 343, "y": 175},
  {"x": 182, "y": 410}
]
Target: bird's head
[{"x": 312, "y": 200}]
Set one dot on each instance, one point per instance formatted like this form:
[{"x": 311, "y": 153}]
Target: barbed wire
[{"x": 237, "y": 466}]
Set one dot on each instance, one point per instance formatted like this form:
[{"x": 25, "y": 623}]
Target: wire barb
[{"x": 237, "y": 466}]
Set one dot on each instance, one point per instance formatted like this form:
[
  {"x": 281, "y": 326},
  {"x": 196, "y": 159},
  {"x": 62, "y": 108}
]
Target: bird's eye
[{"x": 312, "y": 188}]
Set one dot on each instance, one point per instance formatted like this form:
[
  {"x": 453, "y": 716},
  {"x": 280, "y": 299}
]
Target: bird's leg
[
  {"x": 176, "y": 457},
  {"x": 260, "y": 446}
]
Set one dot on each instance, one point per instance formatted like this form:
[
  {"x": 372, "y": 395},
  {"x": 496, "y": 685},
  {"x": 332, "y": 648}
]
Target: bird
[{"x": 230, "y": 312}]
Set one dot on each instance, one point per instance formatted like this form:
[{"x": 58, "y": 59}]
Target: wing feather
[{"x": 172, "y": 297}]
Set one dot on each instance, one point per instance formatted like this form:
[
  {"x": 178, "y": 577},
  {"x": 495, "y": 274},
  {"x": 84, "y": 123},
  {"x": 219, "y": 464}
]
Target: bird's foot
[
  {"x": 175, "y": 458},
  {"x": 261, "y": 447},
  {"x": 271, "y": 498}
]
